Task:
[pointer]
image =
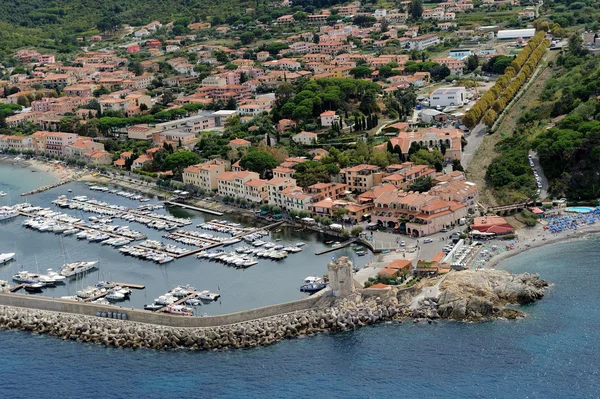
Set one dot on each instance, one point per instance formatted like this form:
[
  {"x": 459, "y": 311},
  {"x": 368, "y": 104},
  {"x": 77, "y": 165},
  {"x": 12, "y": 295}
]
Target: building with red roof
[{"x": 492, "y": 224}]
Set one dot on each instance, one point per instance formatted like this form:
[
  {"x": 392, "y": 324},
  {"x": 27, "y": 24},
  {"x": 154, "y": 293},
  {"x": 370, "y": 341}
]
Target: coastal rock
[{"x": 474, "y": 295}]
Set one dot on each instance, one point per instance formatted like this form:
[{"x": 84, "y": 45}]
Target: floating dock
[
  {"x": 125, "y": 285},
  {"x": 336, "y": 247}
]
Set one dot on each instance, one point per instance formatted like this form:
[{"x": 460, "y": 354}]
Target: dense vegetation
[{"x": 569, "y": 152}]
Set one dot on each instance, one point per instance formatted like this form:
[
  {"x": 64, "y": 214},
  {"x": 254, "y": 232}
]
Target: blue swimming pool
[{"x": 580, "y": 209}]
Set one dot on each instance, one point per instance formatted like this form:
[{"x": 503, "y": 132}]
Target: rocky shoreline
[{"x": 469, "y": 296}]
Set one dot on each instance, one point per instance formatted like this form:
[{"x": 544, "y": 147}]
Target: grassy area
[{"x": 487, "y": 151}]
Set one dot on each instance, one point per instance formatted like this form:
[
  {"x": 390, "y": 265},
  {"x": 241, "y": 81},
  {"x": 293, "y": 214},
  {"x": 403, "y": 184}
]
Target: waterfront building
[
  {"x": 204, "y": 175},
  {"x": 275, "y": 189},
  {"x": 233, "y": 183},
  {"x": 320, "y": 191},
  {"x": 361, "y": 178}
]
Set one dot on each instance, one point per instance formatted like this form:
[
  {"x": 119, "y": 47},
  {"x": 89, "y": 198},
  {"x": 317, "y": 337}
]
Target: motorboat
[
  {"x": 88, "y": 292},
  {"x": 46, "y": 280},
  {"x": 75, "y": 268},
  {"x": 165, "y": 300},
  {"x": 58, "y": 278},
  {"x": 179, "y": 310},
  {"x": 34, "y": 287},
  {"x": 115, "y": 295},
  {"x": 105, "y": 284},
  {"x": 300, "y": 244},
  {"x": 313, "y": 287},
  {"x": 312, "y": 279},
  {"x": 209, "y": 296},
  {"x": 24, "y": 277},
  {"x": 231, "y": 241},
  {"x": 180, "y": 292},
  {"x": 6, "y": 257},
  {"x": 248, "y": 263},
  {"x": 193, "y": 302}
]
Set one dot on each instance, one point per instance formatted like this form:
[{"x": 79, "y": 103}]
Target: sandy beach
[
  {"x": 537, "y": 237},
  {"x": 59, "y": 171}
]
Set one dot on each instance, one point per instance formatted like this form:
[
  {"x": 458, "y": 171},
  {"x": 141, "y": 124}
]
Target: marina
[{"x": 266, "y": 282}]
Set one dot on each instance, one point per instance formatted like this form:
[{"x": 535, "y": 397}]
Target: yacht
[
  {"x": 6, "y": 257},
  {"x": 2, "y": 194},
  {"x": 209, "y": 296},
  {"x": 7, "y": 213},
  {"x": 75, "y": 268}
]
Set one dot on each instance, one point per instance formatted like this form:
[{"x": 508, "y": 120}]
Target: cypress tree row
[{"x": 493, "y": 102}]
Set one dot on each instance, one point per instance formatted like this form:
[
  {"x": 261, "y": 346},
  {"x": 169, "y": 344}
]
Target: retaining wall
[{"x": 143, "y": 316}]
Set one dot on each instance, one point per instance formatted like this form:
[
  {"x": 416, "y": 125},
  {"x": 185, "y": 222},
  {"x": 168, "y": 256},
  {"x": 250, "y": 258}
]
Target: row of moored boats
[{"x": 173, "y": 301}]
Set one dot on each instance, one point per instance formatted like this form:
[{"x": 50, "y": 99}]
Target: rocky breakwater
[
  {"x": 482, "y": 295},
  {"x": 461, "y": 296},
  {"x": 330, "y": 315}
]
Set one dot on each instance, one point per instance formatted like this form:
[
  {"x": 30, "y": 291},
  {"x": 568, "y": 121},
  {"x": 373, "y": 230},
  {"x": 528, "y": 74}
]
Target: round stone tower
[{"x": 340, "y": 276}]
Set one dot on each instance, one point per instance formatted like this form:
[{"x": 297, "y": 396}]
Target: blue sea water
[{"x": 553, "y": 353}]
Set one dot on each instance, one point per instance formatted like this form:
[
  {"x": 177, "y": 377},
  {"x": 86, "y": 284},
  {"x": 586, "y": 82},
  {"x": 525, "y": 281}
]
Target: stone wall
[{"x": 143, "y": 316}]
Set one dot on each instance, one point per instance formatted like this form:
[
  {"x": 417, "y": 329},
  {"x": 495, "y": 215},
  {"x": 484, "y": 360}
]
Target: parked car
[{"x": 444, "y": 230}]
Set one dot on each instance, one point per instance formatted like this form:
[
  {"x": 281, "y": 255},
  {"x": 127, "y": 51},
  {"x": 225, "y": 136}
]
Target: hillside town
[{"x": 350, "y": 113}]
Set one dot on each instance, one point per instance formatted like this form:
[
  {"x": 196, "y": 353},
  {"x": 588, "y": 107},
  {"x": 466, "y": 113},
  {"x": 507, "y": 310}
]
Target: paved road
[
  {"x": 474, "y": 140},
  {"x": 540, "y": 171}
]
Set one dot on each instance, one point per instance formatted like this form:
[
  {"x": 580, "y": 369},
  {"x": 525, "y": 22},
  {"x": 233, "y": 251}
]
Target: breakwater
[
  {"x": 344, "y": 314},
  {"x": 463, "y": 296},
  {"x": 47, "y": 187}
]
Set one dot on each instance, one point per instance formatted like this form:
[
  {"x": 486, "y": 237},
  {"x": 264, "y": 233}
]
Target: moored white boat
[
  {"x": 75, "y": 268},
  {"x": 209, "y": 296},
  {"x": 6, "y": 257}
]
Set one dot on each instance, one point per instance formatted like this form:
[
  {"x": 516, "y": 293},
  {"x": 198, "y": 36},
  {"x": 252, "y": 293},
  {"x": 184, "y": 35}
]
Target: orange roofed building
[{"x": 492, "y": 224}]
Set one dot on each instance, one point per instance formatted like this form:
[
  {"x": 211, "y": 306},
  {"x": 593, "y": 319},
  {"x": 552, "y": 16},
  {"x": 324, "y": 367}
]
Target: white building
[
  {"x": 306, "y": 138},
  {"x": 422, "y": 42},
  {"x": 448, "y": 96},
  {"x": 516, "y": 33},
  {"x": 380, "y": 13}
]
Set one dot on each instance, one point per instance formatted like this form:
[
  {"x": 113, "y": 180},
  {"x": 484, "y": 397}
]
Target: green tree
[
  {"x": 247, "y": 37},
  {"x": 179, "y": 160},
  {"x": 361, "y": 72},
  {"x": 416, "y": 9},
  {"x": 259, "y": 162}
]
